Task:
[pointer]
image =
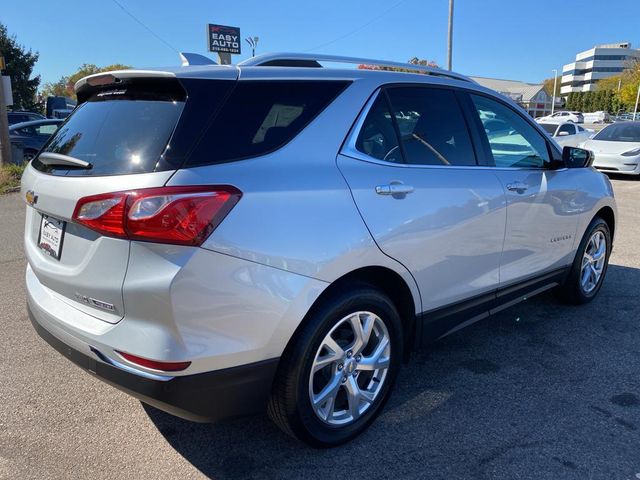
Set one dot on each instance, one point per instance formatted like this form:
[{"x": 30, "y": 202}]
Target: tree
[
  {"x": 548, "y": 85},
  {"x": 64, "y": 86},
  {"x": 19, "y": 66},
  {"x": 413, "y": 61},
  {"x": 622, "y": 88}
]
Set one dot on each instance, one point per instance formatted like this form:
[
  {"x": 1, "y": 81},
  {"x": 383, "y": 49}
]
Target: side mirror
[
  {"x": 563, "y": 134},
  {"x": 574, "y": 157}
]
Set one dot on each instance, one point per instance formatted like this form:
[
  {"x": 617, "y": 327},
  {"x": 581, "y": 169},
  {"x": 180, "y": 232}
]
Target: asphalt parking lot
[{"x": 540, "y": 391}]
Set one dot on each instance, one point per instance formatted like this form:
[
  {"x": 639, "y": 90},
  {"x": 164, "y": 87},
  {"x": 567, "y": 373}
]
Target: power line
[
  {"x": 145, "y": 26},
  {"x": 356, "y": 30}
]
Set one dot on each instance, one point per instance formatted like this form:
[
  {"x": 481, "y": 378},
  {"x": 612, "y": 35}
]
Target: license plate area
[{"x": 51, "y": 236}]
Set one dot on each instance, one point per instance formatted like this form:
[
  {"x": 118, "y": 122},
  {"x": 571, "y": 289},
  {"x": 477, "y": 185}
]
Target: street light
[
  {"x": 253, "y": 42},
  {"x": 450, "y": 35},
  {"x": 553, "y": 94}
]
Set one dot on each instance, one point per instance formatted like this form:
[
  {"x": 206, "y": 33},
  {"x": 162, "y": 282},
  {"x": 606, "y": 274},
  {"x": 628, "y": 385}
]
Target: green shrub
[{"x": 10, "y": 177}]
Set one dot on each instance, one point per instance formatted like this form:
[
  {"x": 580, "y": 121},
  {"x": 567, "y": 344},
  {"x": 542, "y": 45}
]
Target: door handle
[
  {"x": 394, "y": 189},
  {"x": 517, "y": 187}
]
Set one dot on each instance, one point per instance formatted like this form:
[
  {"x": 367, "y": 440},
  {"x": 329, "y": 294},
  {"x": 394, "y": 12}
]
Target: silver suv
[{"x": 223, "y": 240}]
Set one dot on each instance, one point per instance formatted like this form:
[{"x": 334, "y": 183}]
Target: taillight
[
  {"x": 154, "y": 364},
  {"x": 175, "y": 215}
]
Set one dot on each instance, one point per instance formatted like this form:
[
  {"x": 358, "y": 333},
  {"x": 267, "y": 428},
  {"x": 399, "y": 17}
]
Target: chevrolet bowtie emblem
[{"x": 31, "y": 197}]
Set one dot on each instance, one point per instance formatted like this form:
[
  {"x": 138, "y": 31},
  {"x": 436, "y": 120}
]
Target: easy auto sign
[{"x": 224, "y": 39}]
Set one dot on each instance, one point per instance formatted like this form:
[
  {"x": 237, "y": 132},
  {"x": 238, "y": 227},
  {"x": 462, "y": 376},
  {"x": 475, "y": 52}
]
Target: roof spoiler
[{"x": 189, "y": 59}]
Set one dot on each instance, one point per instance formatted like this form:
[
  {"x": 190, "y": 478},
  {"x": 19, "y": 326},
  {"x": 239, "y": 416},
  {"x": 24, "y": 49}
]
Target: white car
[
  {"x": 617, "y": 148},
  {"x": 567, "y": 134},
  {"x": 596, "y": 117},
  {"x": 562, "y": 117}
]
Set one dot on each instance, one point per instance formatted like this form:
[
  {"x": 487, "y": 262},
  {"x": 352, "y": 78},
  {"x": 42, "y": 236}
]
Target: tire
[
  {"x": 574, "y": 289},
  {"x": 336, "y": 421}
]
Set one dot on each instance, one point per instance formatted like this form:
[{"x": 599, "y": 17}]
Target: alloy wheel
[
  {"x": 350, "y": 368},
  {"x": 593, "y": 262}
]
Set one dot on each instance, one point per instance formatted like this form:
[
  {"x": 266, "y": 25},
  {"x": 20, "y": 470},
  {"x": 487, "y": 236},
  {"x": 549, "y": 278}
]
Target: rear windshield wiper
[{"x": 58, "y": 159}]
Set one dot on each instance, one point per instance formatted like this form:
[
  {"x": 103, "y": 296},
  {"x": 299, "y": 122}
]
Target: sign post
[
  {"x": 225, "y": 41},
  {"x": 5, "y": 145}
]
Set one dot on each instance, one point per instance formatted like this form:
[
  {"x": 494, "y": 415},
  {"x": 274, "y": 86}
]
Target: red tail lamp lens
[{"x": 175, "y": 215}]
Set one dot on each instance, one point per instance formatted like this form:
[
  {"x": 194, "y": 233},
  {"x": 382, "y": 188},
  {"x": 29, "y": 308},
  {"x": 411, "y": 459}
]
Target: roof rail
[{"x": 312, "y": 60}]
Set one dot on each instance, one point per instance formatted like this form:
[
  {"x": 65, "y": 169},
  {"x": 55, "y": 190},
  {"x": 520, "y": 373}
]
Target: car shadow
[
  {"x": 541, "y": 390},
  {"x": 622, "y": 176}
]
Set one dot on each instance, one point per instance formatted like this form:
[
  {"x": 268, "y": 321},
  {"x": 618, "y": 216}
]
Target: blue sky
[{"x": 515, "y": 39}]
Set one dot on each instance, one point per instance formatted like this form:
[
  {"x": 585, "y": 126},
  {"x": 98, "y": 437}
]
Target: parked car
[
  {"x": 219, "y": 241},
  {"x": 20, "y": 116},
  {"x": 616, "y": 148},
  {"x": 32, "y": 135},
  {"x": 567, "y": 134},
  {"x": 561, "y": 117},
  {"x": 60, "y": 107},
  {"x": 596, "y": 117}
]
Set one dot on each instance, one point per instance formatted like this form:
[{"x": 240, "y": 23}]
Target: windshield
[
  {"x": 549, "y": 127},
  {"x": 620, "y": 132}
]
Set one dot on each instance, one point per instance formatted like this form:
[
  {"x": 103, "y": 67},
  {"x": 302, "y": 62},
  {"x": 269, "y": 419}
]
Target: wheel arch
[
  {"x": 384, "y": 279},
  {"x": 607, "y": 214}
]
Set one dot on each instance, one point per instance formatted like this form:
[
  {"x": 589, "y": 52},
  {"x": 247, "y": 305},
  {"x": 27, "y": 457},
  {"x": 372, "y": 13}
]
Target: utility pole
[
  {"x": 635, "y": 110},
  {"x": 5, "y": 145},
  {"x": 553, "y": 98},
  {"x": 450, "y": 38}
]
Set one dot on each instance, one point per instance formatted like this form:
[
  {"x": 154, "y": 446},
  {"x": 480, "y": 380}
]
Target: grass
[{"x": 10, "y": 177}]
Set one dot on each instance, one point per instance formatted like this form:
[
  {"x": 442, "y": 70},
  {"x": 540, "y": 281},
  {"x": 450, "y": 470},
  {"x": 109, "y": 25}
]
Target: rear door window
[
  {"x": 377, "y": 137},
  {"x": 432, "y": 127},
  {"x": 259, "y": 117}
]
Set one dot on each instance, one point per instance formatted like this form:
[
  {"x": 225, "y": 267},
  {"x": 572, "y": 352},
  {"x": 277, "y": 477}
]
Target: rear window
[
  {"x": 261, "y": 116},
  {"x": 154, "y": 125},
  {"x": 117, "y": 131}
]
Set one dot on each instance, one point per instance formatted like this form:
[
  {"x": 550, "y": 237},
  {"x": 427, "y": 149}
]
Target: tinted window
[
  {"x": 25, "y": 132},
  {"x": 431, "y": 126},
  {"x": 118, "y": 132},
  {"x": 17, "y": 118},
  {"x": 570, "y": 129},
  {"x": 620, "y": 132},
  {"x": 377, "y": 137},
  {"x": 261, "y": 116},
  {"x": 515, "y": 143},
  {"x": 550, "y": 128}
]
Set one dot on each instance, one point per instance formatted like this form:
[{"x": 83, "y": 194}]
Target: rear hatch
[{"x": 129, "y": 132}]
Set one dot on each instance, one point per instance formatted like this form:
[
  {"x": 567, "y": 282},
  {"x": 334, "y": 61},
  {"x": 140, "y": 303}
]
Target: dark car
[
  {"x": 22, "y": 116},
  {"x": 60, "y": 107},
  {"x": 33, "y": 135}
]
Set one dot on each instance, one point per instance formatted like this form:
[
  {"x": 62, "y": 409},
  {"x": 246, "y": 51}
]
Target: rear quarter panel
[{"x": 297, "y": 213}]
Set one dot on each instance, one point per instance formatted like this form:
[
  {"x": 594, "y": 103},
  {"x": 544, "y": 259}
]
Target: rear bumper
[{"x": 202, "y": 397}]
